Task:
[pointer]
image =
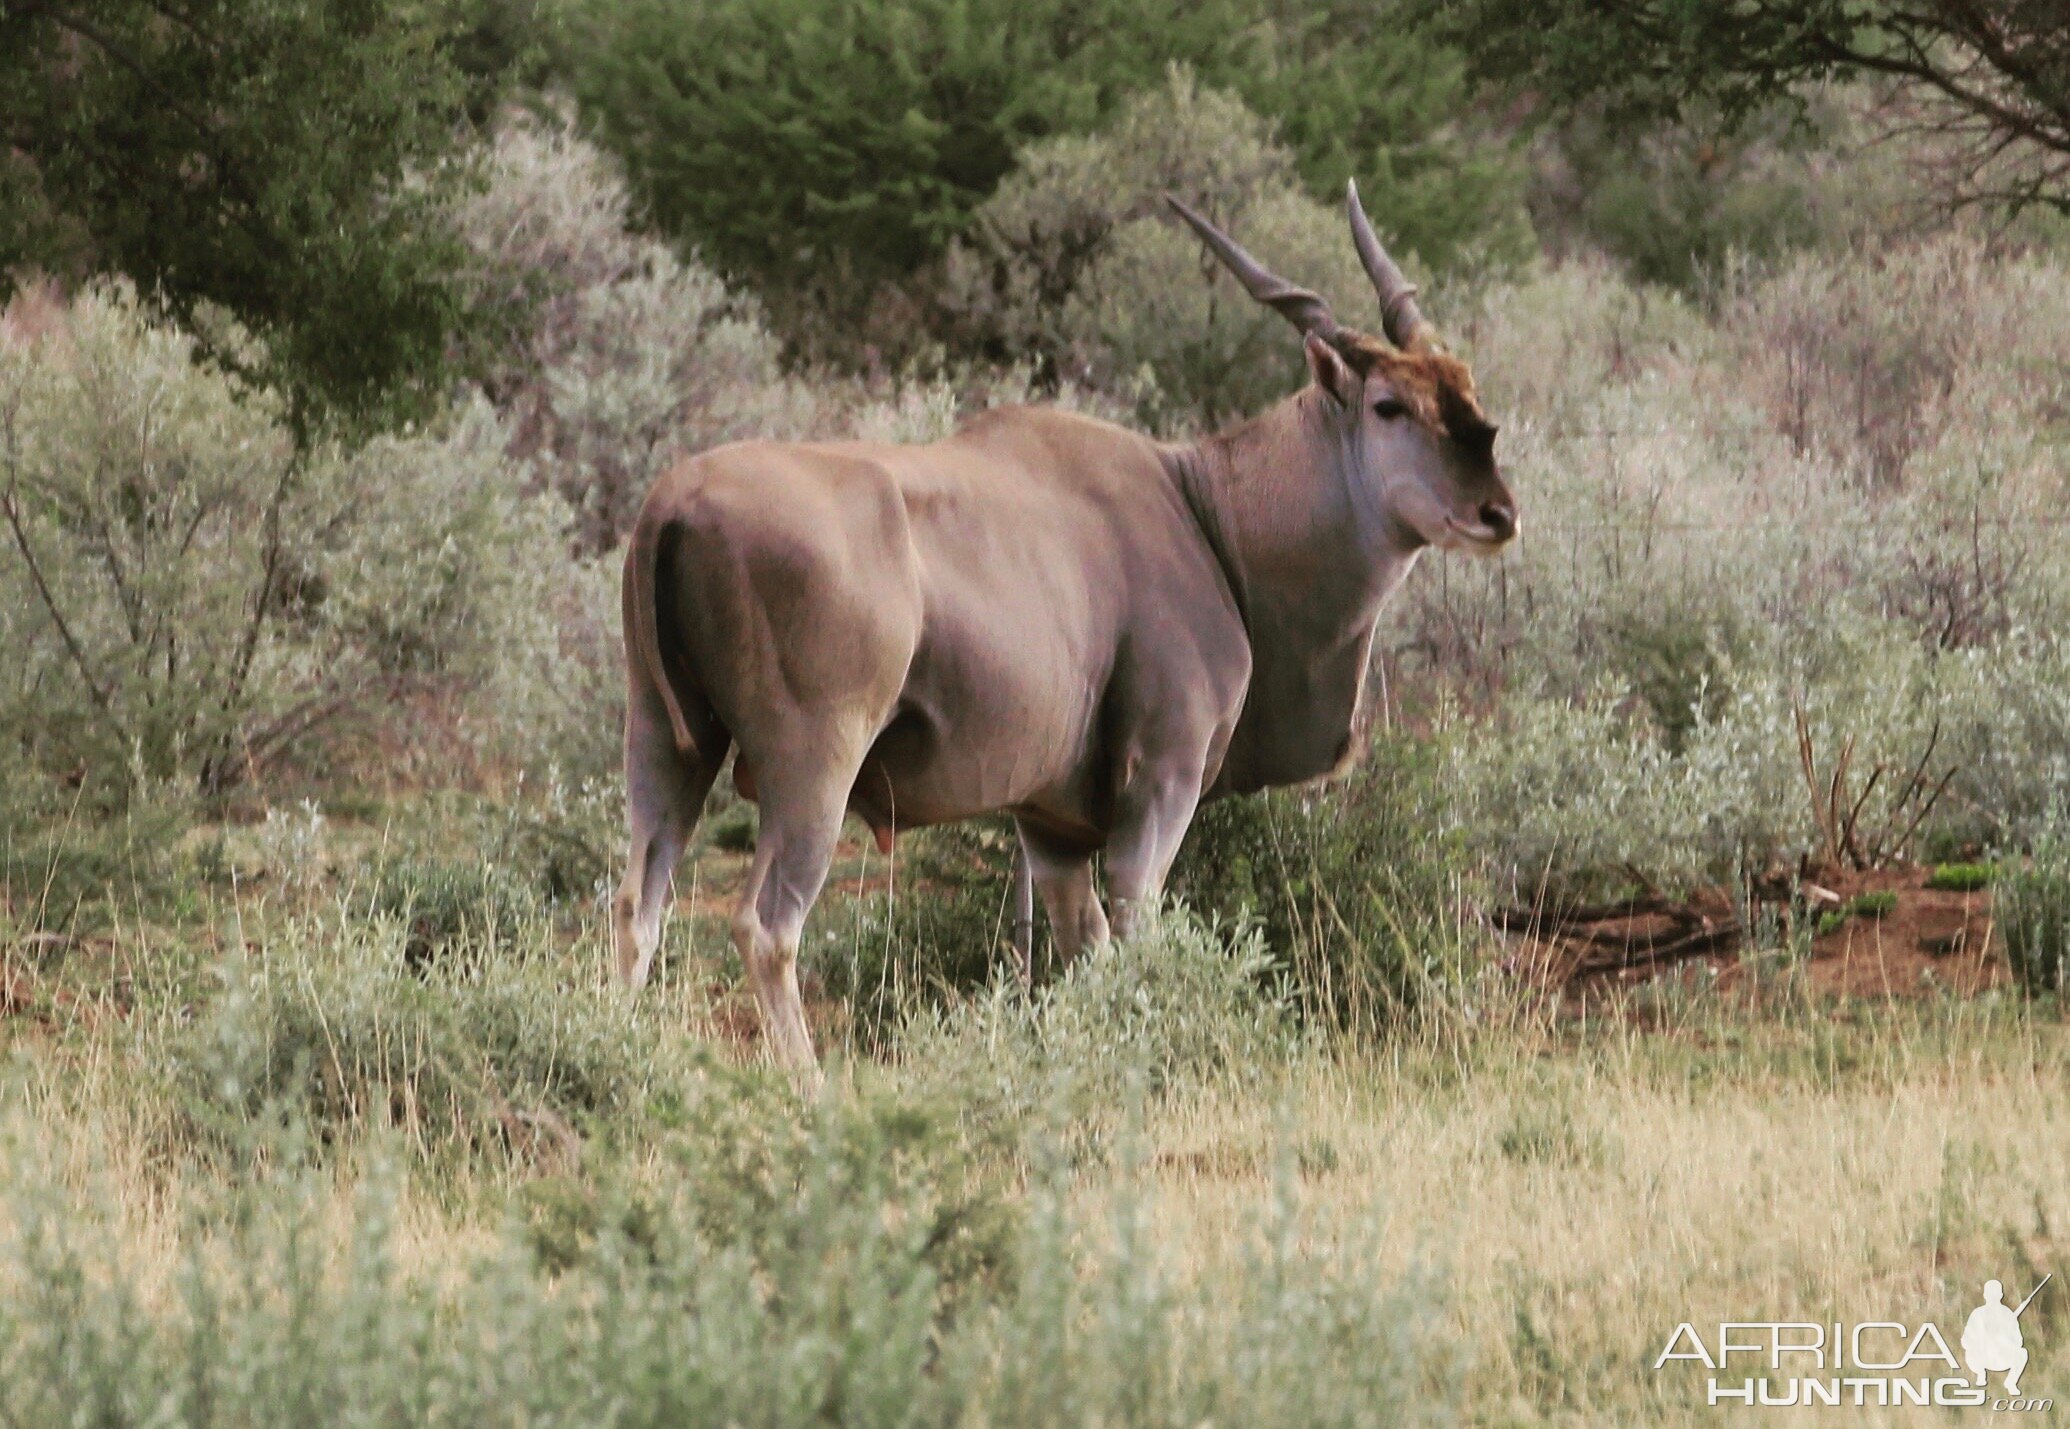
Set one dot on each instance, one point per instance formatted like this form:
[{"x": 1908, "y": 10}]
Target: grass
[
  {"x": 1575, "y": 1210},
  {"x": 1141, "y": 1199},
  {"x": 1962, "y": 877},
  {"x": 1878, "y": 903},
  {"x": 2034, "y": 916}
]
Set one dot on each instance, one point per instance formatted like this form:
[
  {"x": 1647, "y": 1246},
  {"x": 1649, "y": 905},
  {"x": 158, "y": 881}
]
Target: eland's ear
[{"x": 1332, "y": 373}]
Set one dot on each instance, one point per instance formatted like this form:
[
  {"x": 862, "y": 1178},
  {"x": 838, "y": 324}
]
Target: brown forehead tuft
[{"x": 1436, "y": 386}]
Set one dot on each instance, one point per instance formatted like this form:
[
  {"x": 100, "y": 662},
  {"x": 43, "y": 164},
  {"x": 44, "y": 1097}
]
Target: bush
[
  {"x": 443, "y": 904},
  {"x": 1181, "y": 1005},
  {"x": 559, "y": 838},
  {"x": 734, "y": 828},
  {"x": 2032, "y": 910},
  {"x": 620, "y": 356},
  {"x": 1857, "y": 361},
  {"x": 338, "y": 1027},
  {"x": 1879, "y": 904},
  {"x": 195, "y": 595},
  {"x": 747, "y": 1158},
  {"x": 1077, "y": 260},
  {"x": 1356, "y": 886},
  {"x": 1680, "y": 203},
  {"x": 835, "y": 1303},
  {"x": 66, "y": 875},
  {"x": 821, "y": 150},
  {"x": 1683, "y": 587},
  {"x": 942, "y": 930},
  {"x": 1962, "y": 877}
]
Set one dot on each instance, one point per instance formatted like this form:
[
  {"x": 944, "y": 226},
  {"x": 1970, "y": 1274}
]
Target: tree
[
  {"x": 823, "y": 148},
  {"x": 1990, "y": 77},
  {"x": 275, "y": 159}
]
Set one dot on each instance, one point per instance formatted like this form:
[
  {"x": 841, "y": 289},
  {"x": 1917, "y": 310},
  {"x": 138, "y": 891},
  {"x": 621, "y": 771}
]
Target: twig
[
  {"x": 1512, "y": 920},
  {"x": 57, "y": 617},
  {"x": 1696, "y": 944},
  {"x": 1926, "y": 807},
  {"x": 1854, "y": 814},
  {"x": 1809, "y": 763}
]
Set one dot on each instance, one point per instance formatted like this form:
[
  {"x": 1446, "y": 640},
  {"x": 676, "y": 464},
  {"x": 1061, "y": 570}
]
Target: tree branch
[{"x": 43, "y": 592}]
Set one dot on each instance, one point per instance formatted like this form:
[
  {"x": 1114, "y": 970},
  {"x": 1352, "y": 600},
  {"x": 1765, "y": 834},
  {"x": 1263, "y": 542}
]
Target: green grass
[
  {"x": 1877, "y": 904},
  {"x": 2033, "y": 914},
  {"x": 1962, "y": 877}
]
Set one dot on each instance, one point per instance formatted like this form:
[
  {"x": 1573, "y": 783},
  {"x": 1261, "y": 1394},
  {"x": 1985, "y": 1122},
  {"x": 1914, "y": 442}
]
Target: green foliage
[
  {"x": 1181, "y": 1005},
  {"x": 619, "y": 357},
  {"x": 1684, "y": 592},
  {"x": 190, "y": 595},
  {"x": 443, "y": 904},
  {"x": 1356, "y": 886},
  {"x": 563, "y": 841},
  {"x": 733, "y": 828},
  {"x": 1878, "y": 904},
  {"x": 1398, "y": 115},
  {"x": 821, "y": 147},
  {"x": 743, "y": 1152},
  {"x": 941, "y": 930},
  {"x": 339, "y": 1028},
  {"x": 2031, "y": 907},
  {"x": 1079, "y": 262},
  {"x": 1680, "y": 203},
  {"x": 67, "y": 874},
  {"x": 1962, "y": 877},
  {"x": 1672, "y": 660},
  {"x": 276, "y": 160},
  {"x": 835, "y": 1301},
  {"x": 1995, "y": 81},
  {"x": 1849, "y": 363}
]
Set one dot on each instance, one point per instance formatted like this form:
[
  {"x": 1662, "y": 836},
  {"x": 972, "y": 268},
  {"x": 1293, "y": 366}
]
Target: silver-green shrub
[
  {"x": 1181, "y": 1005},
  {"x": 830, "y": 1304},
  {"x": 1822, "y": 501},
  {"x": 1868, "y": 363},
  {"x": 440, "y": 1011},
  {"x": 187, "y": 595},
  {"x": 1080, "y": 264},
  {"x": 2032, "y": 910},
  {"x": 624, "y": 355}
]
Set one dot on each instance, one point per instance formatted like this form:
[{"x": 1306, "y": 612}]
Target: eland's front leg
[
  {"x": 1023, "y": 916},
  {"x": 1064, "y": 878},
  {"x": 1152, "y": 821}
]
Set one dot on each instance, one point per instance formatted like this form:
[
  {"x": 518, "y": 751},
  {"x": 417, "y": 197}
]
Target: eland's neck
[{"x": 1309, "y": 565}]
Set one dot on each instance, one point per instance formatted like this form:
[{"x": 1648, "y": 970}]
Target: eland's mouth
[{"x": 1490, "y": 533}]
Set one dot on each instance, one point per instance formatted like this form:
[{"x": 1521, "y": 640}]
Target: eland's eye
[{"x": 1387, "y": 409}]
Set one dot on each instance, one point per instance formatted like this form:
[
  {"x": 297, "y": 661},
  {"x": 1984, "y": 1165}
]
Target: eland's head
[{"x": 1410, "y": 432}]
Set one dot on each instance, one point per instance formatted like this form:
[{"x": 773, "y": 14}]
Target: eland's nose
[{"x": 1499, "y": 517}]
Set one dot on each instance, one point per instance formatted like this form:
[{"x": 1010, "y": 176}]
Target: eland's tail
[{"x": 642, "y": 619}]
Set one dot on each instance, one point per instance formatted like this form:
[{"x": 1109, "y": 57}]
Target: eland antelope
[{"x": 1042, "y": 614}]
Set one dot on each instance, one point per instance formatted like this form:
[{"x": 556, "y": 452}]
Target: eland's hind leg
[
  {"x": 802, "y": 809},
  {"x": 665, "y": 789}
]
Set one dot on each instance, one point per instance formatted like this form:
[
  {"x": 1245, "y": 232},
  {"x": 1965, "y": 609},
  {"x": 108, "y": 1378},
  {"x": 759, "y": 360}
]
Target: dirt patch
[{"x": 1881, "y": 933}]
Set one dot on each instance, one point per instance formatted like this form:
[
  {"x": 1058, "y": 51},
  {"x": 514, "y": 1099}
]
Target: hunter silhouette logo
[
  {"x": 1869, "y": 1363},
  {"x": 1992, "y": 1342}
]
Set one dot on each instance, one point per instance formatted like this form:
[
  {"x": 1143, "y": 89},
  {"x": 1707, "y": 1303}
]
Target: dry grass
[
  {"x": 1577, "y": 1204},
  {"x": 1567, "y": 1198}
]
